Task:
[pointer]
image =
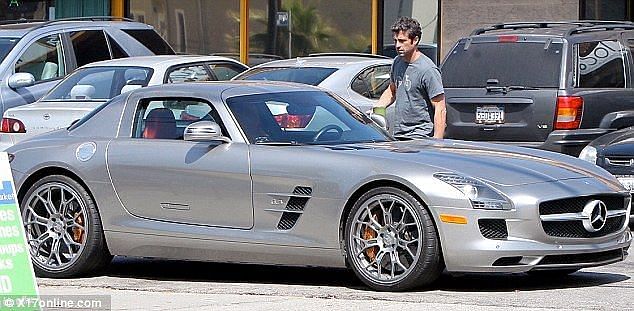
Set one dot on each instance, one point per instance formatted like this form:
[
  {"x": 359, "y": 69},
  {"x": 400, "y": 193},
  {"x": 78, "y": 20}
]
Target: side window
[
  {"x": 225, "y": 71},
  {"x": 44, "y": 59},
  {"x": 89, "y": 46},
  {"x": 151, "y": 40},
  {"x": 372, "y": 82},
  {"x": 167, "y": 118},
  {"x": 188, "y": 74},
  {"x": 600, "y": 65}
]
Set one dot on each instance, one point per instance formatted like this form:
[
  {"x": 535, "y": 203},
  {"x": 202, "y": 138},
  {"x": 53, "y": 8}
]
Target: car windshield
[
  {"x": 6, "y": 44},
  {"x": 308, "y": 117},
  {"x": 99, "y": 83},
  {"x": 533, "y": 64},
  {"x": 305, "y": 75}
]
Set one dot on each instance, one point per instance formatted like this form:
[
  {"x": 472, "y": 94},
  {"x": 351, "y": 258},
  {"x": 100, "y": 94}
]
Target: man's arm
[
  {"x": 440, "y": 115},
  {"x": 388, "y": 96}
]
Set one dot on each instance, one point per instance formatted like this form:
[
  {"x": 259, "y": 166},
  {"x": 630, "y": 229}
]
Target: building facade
[{"x": 260, "y": 28}]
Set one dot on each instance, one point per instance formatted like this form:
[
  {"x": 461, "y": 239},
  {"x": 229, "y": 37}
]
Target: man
[{"x": 415, "y": 85}]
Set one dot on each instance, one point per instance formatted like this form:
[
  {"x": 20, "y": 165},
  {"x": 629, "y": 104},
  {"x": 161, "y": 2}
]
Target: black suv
[{"x": 550, "y": 85}]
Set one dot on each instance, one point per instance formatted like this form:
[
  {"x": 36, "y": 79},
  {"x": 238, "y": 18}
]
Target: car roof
[
  {"x": 329, "y": 61},
  {"x": 19, "y": 28},
  {"x": 554, "y": 28},
  {"x": 159, "y": 61},
  {"x": 229, "y": 88}
]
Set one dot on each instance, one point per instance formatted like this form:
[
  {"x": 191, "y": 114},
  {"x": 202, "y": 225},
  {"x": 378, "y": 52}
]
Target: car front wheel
[
  {"x": 63, "y": 228},
  {"x": 391, "y": 241}
]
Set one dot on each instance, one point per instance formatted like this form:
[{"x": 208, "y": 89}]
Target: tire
[
  {"x": 400, "y": 227},
  {"x": 63, "y": 228},
  {"x": 552, "y": 273}
]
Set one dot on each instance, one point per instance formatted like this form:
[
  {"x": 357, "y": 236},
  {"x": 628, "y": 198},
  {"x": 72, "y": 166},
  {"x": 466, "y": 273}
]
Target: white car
[{"x": 94, "y": 84}]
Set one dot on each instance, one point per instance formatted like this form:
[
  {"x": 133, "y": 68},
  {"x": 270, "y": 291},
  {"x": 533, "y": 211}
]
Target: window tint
[
  {"x": 306, "y": 75},
  {"x": 225, "y": 71},
  {"x": 44, "y": 59},
  {"x": 167, "y": 118},
  {"x": 117, "y": 51},
  {"x": 6, "y": 45},
  {"x": 151, "y": 40},
  {"x": 301, "y": 118},
  {"x": 511, "y": 63},
  {"x": 372, "y": 82},
  {"x": 99, "y": 83},
  {"x": 190, "y": 73},
  {"x": 89, "y": 46},
  {"x": 600, "y": 65}
]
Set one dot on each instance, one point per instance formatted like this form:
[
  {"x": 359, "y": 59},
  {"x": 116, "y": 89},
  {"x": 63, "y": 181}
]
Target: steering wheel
[{"x": 325, "y": 129}]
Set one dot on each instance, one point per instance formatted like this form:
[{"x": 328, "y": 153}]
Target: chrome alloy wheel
[
  {"x": 385, "y": 239},
  {"x": 55, "y": 222}
]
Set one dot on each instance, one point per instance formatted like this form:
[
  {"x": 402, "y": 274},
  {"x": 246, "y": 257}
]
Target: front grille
[
  {"x": 493, "y": 228},
  {"x": 619, "y": 161},
  {"x": 288, "y": 220},
  {"x": 582, "y": 258},
  {"x": 575, "y": 205},
  {"x": 575, "y": 229}
]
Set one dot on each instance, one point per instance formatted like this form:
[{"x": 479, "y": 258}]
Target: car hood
[
  {"x": 496, "y": 164},
  {"x": 619, "y": 143},
  {"x": 42, "y": 117}
]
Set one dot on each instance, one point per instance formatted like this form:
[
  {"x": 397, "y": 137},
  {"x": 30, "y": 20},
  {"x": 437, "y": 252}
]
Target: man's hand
[
  {"x": 388, "y": 96},
  {"x": 440, "y": 116}
]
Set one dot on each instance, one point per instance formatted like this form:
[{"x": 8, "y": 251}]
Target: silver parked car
[
  {"x": 34, "y": 56},
  {"x": 205, "y": 171},
  {"x": 93, "y": 84},
  {"x": 360, "y": 79}
]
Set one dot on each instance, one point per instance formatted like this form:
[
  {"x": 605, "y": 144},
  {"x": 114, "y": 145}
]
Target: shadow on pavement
[{"x": 170, "y": 270}]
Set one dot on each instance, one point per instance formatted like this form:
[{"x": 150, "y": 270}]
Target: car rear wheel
[
  {"x": 63, "y": 228},
  {"x": 391, "y": 241}
]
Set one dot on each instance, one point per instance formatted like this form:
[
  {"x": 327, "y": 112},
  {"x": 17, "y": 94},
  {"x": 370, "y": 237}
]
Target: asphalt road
[{"x": 146, "y": 284}]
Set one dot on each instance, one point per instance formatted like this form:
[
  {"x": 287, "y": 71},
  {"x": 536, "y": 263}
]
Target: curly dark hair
[{"x": 408, "y": 25}]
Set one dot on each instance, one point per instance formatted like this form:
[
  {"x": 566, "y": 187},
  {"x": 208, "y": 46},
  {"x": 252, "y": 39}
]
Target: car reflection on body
[
  {"x": 230, "y": 183},
  {"x": 615, "y": 153}
]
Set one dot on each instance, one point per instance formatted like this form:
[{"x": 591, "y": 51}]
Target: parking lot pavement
[{"x": 134, "y": 284}]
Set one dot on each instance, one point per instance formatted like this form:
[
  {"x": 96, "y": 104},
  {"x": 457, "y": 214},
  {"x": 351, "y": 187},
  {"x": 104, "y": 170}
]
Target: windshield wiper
[
  {"x": 519, "y": 87},
  {"x": 279, "y": 143}
]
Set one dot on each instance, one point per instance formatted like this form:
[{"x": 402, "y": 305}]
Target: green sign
[{"x": 16, "y": 272}]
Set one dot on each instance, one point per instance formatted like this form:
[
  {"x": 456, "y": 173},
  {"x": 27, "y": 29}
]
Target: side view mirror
[
  {"x": 21, "y": 79},
  {"x": 379, "y": 120},
  {"x": 204, "y": 131}
]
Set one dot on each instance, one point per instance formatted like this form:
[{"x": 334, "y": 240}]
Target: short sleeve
[{"x": 432, "y": 81}]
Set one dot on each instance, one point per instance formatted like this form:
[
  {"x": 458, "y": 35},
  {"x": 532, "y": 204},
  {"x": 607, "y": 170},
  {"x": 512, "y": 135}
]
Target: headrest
[
  {"x": 300, "y": 109},
  {"x": 82, "y": 91},
  {"x": 130, "y": 87}
]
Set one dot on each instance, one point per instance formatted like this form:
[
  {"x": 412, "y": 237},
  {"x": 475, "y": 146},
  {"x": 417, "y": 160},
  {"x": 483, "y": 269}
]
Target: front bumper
[{"x": 526, "y": 246}]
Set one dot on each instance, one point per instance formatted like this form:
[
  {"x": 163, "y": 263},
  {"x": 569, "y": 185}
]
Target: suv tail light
[
  {"x": 12, "y": 126},
  {"x": 568, "y": 114}
]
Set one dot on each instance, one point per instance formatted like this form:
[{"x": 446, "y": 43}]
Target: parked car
[
  {"x": 135, "y": 178},
  {"x": 547, "y": 85},
  {"x": 93, "y": 84},
  {"x": 360, "y": 79},
  {"x": 36, "y": 55},
  {"x": 254, "y": 58},
  {"x": 615, "y": 153}
]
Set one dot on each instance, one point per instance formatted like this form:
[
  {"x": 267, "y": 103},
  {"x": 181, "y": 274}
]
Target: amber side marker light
[{"x": 453, "y": 219}]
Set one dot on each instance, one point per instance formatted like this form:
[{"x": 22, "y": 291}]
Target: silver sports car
[{"x": 288, "y": 174}]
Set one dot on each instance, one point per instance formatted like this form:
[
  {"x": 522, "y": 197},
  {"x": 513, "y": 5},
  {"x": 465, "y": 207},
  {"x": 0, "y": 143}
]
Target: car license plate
[
  {"x": 627, "y": 181},
  {"x": 490, "y": 114}
]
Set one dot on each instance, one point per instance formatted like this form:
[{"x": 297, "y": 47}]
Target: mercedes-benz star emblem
[{"x": 595, "y": 215}]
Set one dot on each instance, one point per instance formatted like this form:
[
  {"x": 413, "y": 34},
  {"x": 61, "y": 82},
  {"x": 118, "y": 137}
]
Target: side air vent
[
  {"x": 493, "y": 228},
  {"x": 303, "y": 190},
  {"x": 295, "y": 207}
]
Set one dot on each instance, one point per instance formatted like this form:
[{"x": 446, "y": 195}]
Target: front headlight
[
  {"x": 480, "y": 195},
  {"x": 589, "y": 154}
]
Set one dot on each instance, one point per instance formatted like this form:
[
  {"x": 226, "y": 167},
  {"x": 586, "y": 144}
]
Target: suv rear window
[
  {"x": 532, "y": 64},
  {"x": 151, "y": 40},
  {"x": 305, "y": 75}
]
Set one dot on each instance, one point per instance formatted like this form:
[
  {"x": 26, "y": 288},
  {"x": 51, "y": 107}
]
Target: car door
[
  {"x": 158, "y": 175},
  {"x": 44, "y": 58}
]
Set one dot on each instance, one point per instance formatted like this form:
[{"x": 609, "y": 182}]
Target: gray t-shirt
[{"x": 416, "y": 83}]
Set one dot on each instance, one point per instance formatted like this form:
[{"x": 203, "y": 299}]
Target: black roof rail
[
  {"x": 599, "y": 27},
  {"x": 548, "y": 24},
  {"x": 348, "y": 54},
  {"x": 21, "y": 21}
]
